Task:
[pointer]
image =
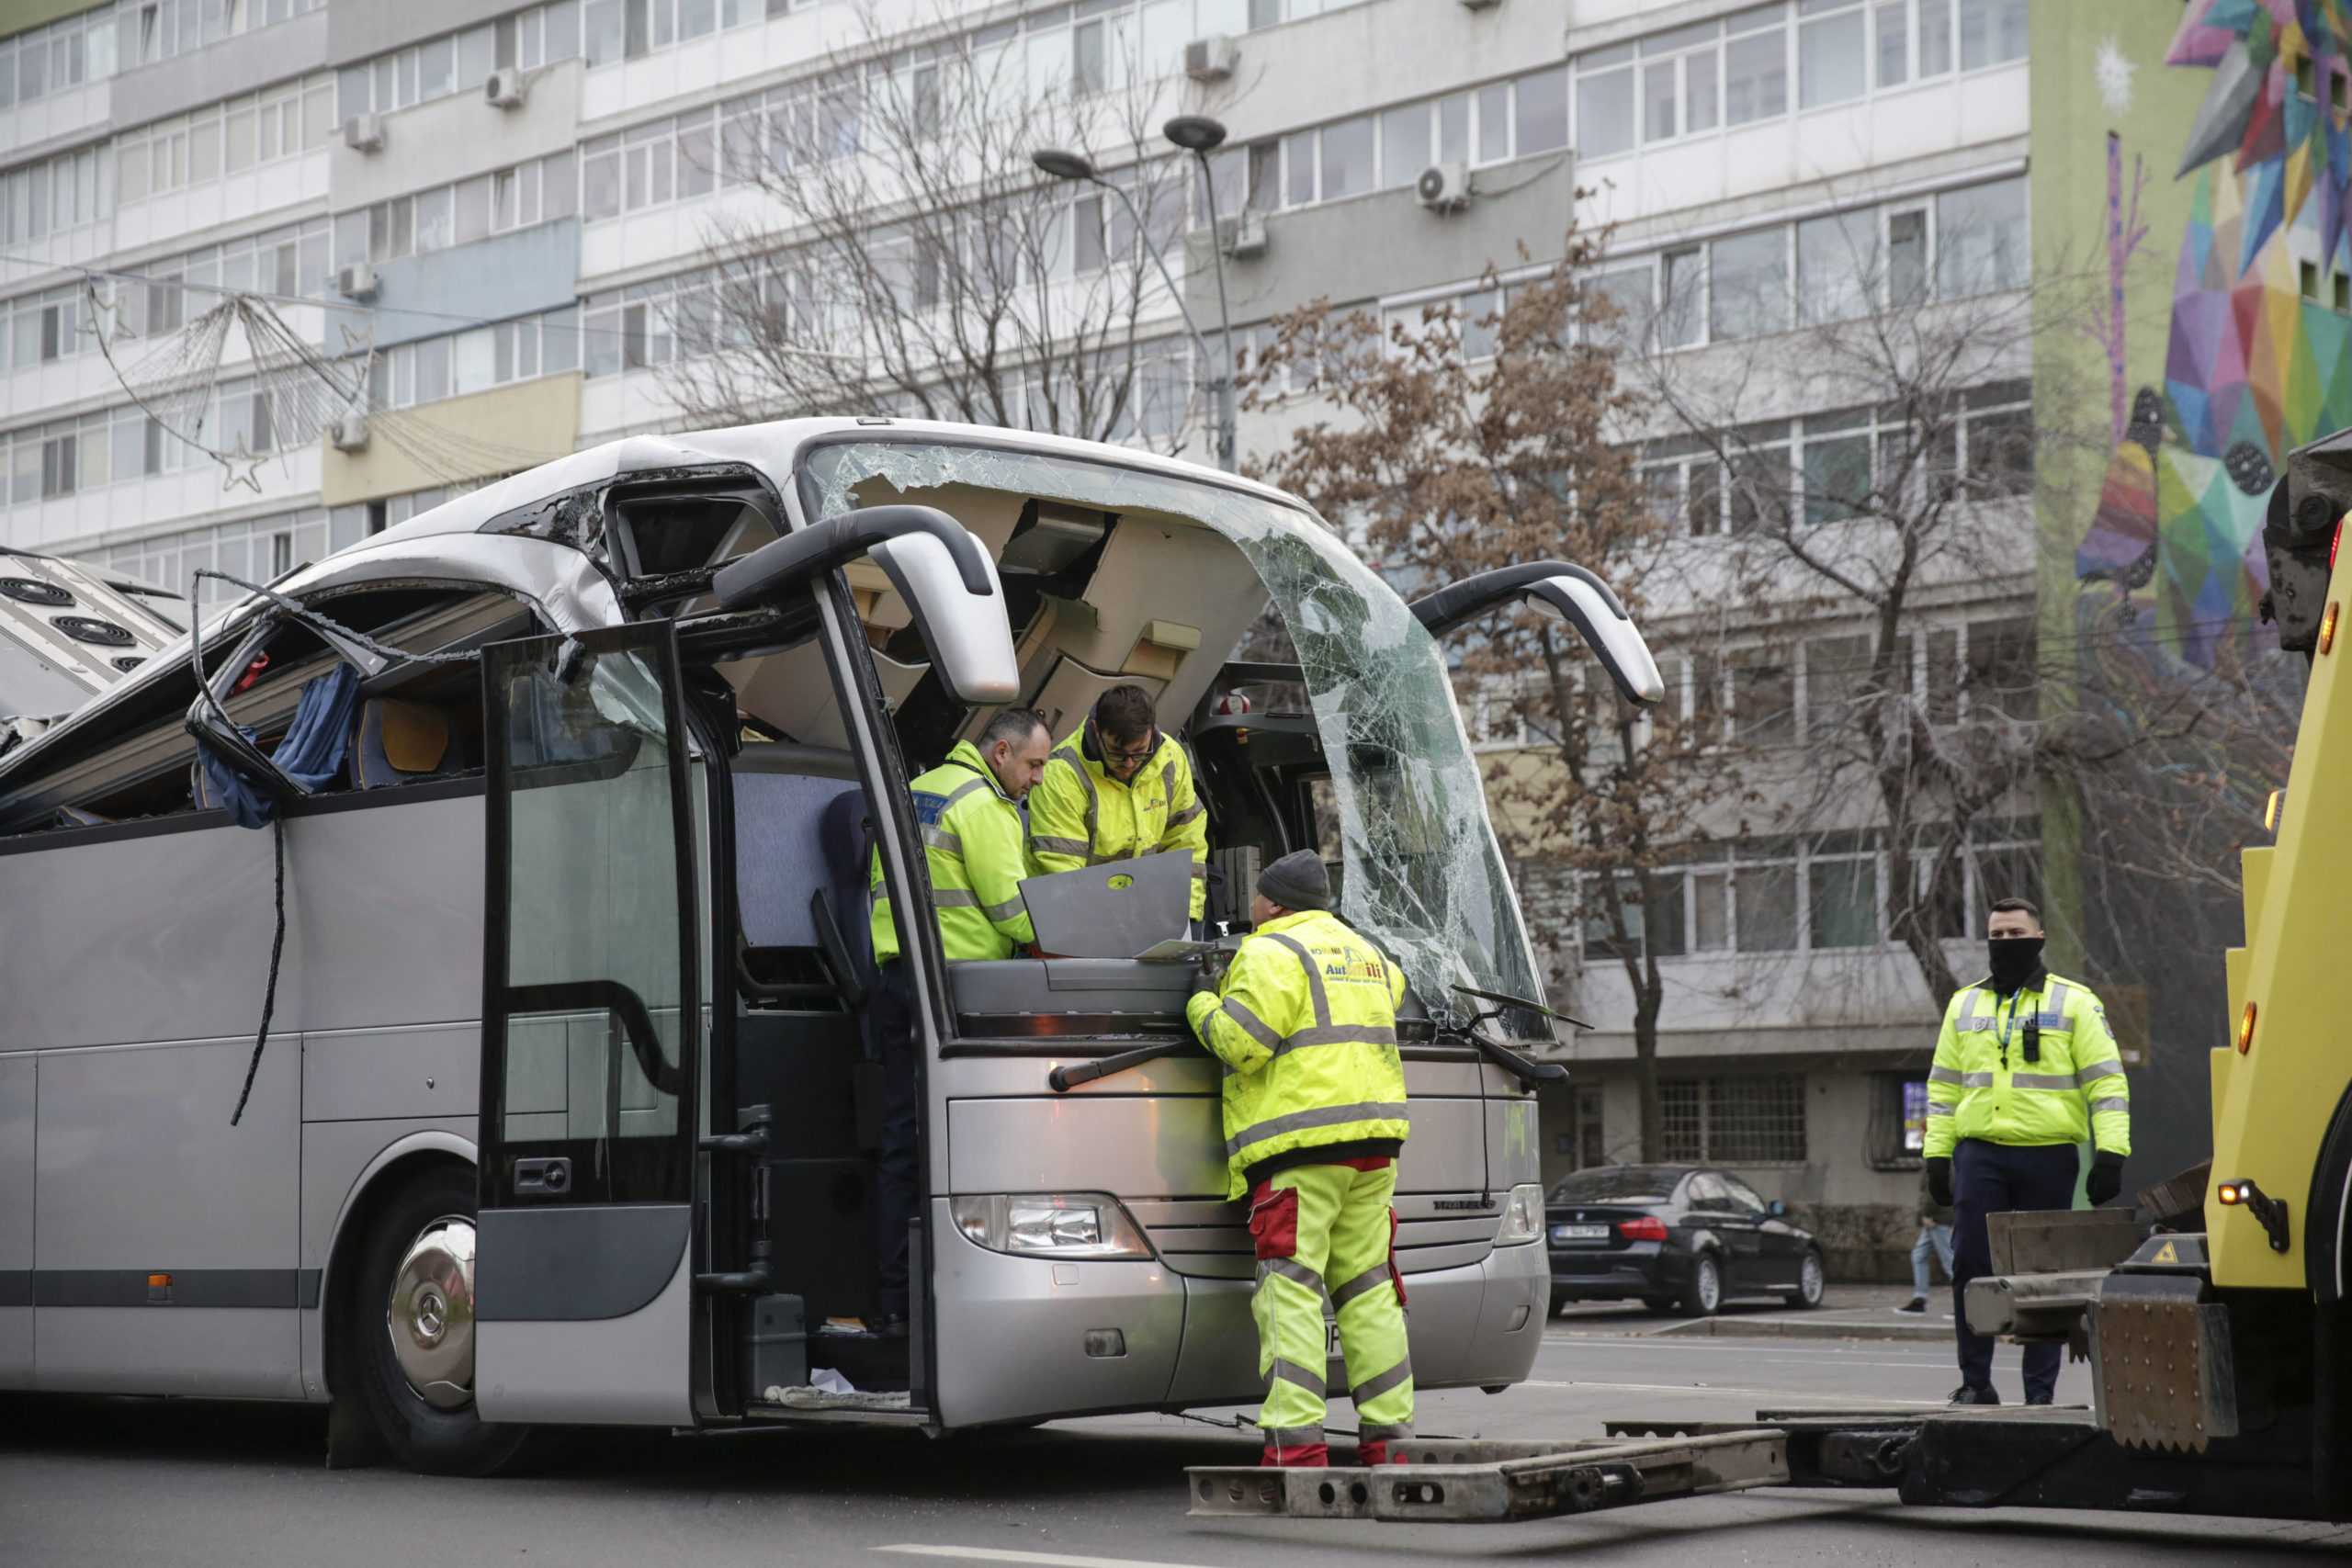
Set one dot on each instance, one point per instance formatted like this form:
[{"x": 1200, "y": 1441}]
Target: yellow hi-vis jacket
[
  {"x": 1079, "y": 815},
  {"x": 1306, "y": 1028},
  {"x": 1982, "y": 1086},
  {"x": 971, "y": 835}
]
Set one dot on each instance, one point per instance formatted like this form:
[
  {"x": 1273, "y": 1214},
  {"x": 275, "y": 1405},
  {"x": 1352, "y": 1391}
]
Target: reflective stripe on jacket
[
  {"x": 1982, "y": 1086},
  {"x": 1306, "y": 1028},
  {"x": 1079, "y": 815},
  {"x": 971, "y": 835}
]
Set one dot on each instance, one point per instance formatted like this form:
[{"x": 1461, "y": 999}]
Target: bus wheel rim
[{"x": 431, "y": 1313}]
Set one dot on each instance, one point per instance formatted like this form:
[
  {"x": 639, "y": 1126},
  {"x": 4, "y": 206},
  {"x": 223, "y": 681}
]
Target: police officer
[
  {"x": 1118, "y": 789},
  {"x": 970, "y": 812},
  {"x": 1305, "y": 1023},
  {"x": 2026, "y": 1070}
]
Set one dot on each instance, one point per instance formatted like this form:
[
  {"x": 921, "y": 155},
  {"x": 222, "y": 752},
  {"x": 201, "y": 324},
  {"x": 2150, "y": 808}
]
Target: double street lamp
[{"x": 1200, "y": 136}]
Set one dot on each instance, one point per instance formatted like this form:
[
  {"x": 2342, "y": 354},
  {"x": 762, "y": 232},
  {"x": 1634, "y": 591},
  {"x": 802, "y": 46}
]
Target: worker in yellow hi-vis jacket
[
  {"x": 1116, "y": 790},
  {"x": 1305, "y": 1023},
  {"x": 2026, "y": 1070}
]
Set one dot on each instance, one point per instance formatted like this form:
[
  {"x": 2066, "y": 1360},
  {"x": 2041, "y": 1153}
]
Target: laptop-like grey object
[{"x": 1122, "y": 908}]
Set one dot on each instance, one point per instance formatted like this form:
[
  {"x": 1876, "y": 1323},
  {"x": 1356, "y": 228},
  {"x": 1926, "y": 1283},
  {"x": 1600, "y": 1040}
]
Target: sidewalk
[{"x": 1847, "y": 1312}]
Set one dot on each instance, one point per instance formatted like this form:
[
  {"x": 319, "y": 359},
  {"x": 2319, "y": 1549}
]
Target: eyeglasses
[{"x": 1139, "y": 754}]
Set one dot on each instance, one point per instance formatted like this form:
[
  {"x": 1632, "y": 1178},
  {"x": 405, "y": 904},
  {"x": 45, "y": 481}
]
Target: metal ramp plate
[{"x": 1473, "y": 1481}]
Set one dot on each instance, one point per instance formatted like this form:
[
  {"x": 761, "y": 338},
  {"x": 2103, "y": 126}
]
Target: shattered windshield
[{"x": 1421, "y": 874}]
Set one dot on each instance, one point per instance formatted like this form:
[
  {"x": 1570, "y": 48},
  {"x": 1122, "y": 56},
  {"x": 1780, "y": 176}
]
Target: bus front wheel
[{"x": 414, "y": 1328}]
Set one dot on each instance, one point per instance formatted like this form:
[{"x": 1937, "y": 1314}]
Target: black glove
[
  {"x": 1204, "y": 981},
  {"x": 1939, "y": 1179},
  {"x": 2106, "y": 1179}
]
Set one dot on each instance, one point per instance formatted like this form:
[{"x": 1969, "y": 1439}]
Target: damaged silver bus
[{"x": 565, "y": 1113}]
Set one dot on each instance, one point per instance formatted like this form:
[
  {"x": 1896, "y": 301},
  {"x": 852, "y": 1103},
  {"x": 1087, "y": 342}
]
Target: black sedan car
[{"x": 1675, "y": 1236}]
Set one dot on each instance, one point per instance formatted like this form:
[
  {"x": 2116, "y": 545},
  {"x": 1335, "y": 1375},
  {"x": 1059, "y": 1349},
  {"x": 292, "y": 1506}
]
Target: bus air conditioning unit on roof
[
  {"x": 364, "y": 133},
  {"x": 1443, "y": 188},
  {"x": 1212, "y": 59}
]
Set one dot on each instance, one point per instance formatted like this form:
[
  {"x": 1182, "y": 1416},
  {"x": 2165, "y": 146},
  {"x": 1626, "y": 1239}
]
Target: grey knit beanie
[{"x": 1297, "y": 881}]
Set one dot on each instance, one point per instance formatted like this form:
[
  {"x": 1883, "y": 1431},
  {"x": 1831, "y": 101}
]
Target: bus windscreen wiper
[{"x": 1527, "y": 1071}]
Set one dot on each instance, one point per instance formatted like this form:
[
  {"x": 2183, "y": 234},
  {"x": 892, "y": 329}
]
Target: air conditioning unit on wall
[
  {"x": 356, "y": 281},
  {"x": 349, "y": 433},
  {"x": 1443, "y": 188},
  {"x": 505, "y": 89},
  {"x": 1242, "y": 238},
  {"x": 364, "y": 133},
  {"x": 1214, "y": 58}
]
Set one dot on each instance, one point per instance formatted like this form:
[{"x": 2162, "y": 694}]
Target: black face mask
[{"x": 2016, "y": 960}]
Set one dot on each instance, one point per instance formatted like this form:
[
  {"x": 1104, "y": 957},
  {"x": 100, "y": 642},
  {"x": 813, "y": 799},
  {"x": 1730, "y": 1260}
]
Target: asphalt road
[{"x": 115, "y": 1482}]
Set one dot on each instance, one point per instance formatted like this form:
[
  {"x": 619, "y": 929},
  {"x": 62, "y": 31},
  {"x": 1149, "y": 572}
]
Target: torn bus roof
[{"x": 69, "y": 631}]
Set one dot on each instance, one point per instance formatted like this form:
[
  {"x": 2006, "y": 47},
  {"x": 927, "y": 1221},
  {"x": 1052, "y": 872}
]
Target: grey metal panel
[
  {"x": 456, "y": 137},
  {"x": 599, "y": 1261},
  {"x": 167, "y": 937},
  {"x": 234, "y": 65},
  {"x": 234, "y": 1352},
  {"x": 357, "y": 31},
  {"x": 532, "y": 1371},
  {"x": 370, "y": 1074},
  {"x": 506, "y": 275},
  {"x": 17, "y": 1342},
  {"x": 1150, "y": 1148},
  {"x": 1021, "y": 985},
  {"x": 139, "y": 1168},
  {"x": 990, "y": 1303},
  {"x": 1160, "y": 1147},
  {"x": 17, "y": 1077}
]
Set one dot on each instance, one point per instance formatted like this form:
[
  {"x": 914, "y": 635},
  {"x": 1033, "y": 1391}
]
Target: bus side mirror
[
  {"x": 947, "y": 578},
  {"x": 1565, "y": 592}
]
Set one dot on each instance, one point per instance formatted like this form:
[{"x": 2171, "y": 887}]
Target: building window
[
  {"x": 1744, "y": 1120},
  {"x": 1584, "y": 1142},
  {"x": 1833, "y": 63},
  {"x": 1896, "y": 1135}
]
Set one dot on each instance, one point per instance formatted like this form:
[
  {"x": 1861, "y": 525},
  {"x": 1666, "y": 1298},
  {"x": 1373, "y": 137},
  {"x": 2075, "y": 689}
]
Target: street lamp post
[{"x": 1066, "y": 165}]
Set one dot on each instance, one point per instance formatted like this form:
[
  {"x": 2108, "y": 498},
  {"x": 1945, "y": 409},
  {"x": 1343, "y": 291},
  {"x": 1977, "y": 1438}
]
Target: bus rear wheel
[{"x": 414, "y": 1325}]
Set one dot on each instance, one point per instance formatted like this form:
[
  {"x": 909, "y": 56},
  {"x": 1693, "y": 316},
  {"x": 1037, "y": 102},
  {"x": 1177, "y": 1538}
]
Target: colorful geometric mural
[{"x": 2259, "y": 358}]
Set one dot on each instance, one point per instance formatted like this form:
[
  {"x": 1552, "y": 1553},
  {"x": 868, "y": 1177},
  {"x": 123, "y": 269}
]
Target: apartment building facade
[{"x": 492, "y": 229}]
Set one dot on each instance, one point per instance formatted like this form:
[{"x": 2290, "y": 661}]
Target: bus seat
[
  {"x": 782, "y": 855},
  {"x": 395, "y": 741}
]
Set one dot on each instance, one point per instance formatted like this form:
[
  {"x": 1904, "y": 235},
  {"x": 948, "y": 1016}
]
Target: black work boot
[{"x": 1965, "y": 1394}]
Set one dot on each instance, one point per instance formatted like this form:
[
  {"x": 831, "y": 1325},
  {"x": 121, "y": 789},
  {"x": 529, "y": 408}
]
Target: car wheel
[
  {"x": 1809, "y": 1281},
  {"x": 1705, "y": 1296},
  {"x": 1559, "y": 1300},
  {"x": 414, "y": 1331}
]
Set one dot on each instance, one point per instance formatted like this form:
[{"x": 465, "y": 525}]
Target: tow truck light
[
  {"x": 2245, "y": 1030},
  {"x": 2336, "y": 540},
  {"x": 1649, "y": 1227},
  {"x": 2271, "y": 808},
  {"x": 2328, "y": 625},
  {"x": 2231, "y": 1192}
]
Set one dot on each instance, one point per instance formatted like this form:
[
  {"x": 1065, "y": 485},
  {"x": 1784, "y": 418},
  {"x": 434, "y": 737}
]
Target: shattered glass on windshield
[{"x": 1421, "y": 872}]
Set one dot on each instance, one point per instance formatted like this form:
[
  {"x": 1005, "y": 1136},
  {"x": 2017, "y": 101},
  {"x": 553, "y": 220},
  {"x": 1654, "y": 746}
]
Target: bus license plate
[{"x": 1579, "y": 1233}]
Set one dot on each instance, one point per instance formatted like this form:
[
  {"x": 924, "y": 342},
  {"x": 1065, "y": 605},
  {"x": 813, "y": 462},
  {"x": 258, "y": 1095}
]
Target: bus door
[{"x": 591, "y": 1033}]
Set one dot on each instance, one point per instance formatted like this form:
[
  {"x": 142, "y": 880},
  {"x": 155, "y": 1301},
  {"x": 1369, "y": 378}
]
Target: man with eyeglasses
[{"x": 1116, "y": 790}]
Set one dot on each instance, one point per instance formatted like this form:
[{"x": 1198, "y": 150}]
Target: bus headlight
[
  {"x": 1522, "y": 1215},
  {"x": 1049, "y": 1224}
]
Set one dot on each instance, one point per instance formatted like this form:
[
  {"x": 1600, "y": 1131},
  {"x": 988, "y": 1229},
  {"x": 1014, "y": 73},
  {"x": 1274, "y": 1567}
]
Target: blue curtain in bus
[{"x": 310, "y": 754}]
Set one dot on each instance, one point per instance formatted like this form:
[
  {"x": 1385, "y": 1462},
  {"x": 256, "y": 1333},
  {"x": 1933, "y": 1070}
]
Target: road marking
[
  {"x": 1708, "y": 1387},
  {"x": 1053, "y": 1559}
]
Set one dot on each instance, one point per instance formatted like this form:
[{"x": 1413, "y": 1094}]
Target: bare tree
[
  {"x": 895, "y": 251},
  {"x": 1460, "y": 443},
  {"x": 1908, "y": 491}
]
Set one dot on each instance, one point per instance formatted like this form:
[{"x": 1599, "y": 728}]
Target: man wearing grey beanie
[{"x": 1314, "y": 1121}]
